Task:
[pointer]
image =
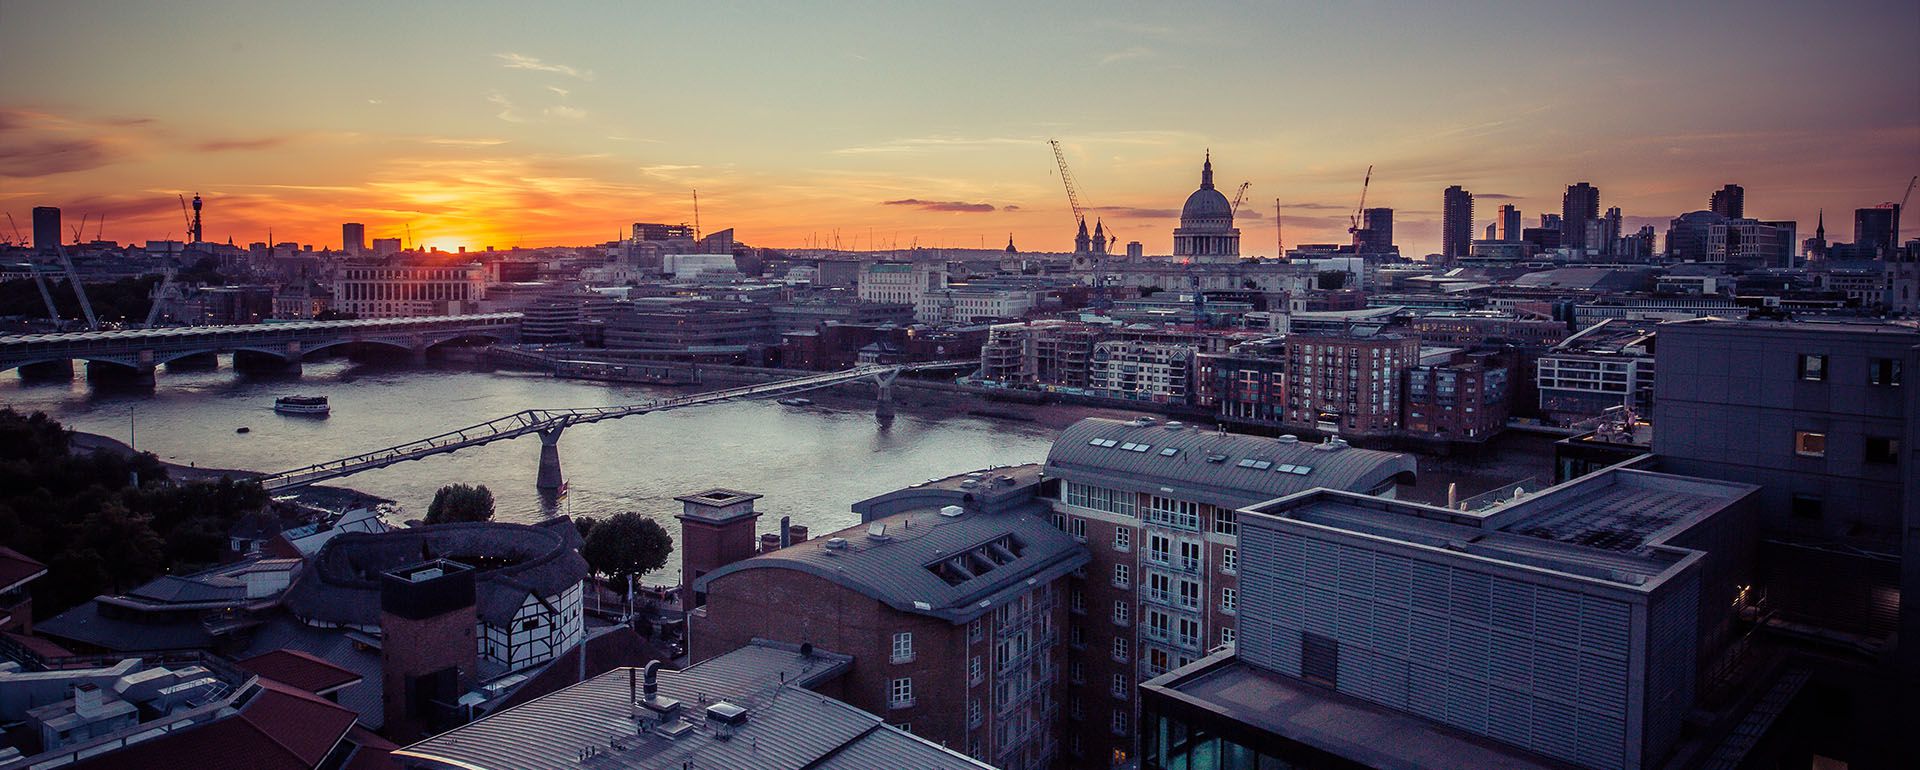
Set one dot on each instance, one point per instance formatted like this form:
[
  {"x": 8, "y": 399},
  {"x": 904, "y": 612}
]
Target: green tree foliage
[
  {"x": 84, "y": 517},
  {"x": 461, "y": 502},
  {"x": 627, "y": 544}
]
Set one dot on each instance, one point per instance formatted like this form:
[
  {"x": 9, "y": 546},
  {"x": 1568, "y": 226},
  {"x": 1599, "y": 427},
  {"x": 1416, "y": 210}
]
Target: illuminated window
[
  {"x": 1809, "y": 444},
  {"x": 1813, "y": 367}
]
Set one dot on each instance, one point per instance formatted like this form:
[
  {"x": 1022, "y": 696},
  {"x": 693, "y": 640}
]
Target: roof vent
[
  {"x": 836, "y": 543},
  {"x": 1289, "y": 439},
  {"x": 726, "y": 719},
  {"x": 1175, "y": 425},
  {"x": 878, "y": 532},
  {"x": 672, "y": 731},
  {"x": 952, "y": 511}
]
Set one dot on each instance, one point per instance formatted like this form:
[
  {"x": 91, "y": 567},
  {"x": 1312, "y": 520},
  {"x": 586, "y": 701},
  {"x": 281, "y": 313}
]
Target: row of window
[
  {"x": 1879, "y": 449},
  {"x": 1880, "y": 371}
]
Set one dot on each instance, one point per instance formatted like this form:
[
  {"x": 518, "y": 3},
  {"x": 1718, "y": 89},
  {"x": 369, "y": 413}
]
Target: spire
[
  {"x": 1821, "y": 231},
  {"x": 1010, "y": 248},
  {"x": 1206, "y": 172}
]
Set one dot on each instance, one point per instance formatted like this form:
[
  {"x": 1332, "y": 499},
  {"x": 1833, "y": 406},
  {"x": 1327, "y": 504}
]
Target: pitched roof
[
  {"x": 17, "y": 568},
  {"x": 301, "y": 670},
  {"x": 907, "y": 566},
  {"x": 344, "y": 584},
  {"x": 277, "y": 727},
  {"x": 1229, "y": 470}
]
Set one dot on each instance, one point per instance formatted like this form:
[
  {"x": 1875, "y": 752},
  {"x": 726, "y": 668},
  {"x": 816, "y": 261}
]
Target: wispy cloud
[
  {"x": 565, "y": 112},
  {"x": 666, "y": 170},
  {"x": 960, "y": 207},
  {"x": 36, "y": 144},
  {"x": 458, "y": 142},
  {"x": 559, "y": 90},
  {"x": 1136, "y": 212},
  {"x": 507, "y": 112},
  {"x": 1129, "y": 54},
  {"x": 934, "y": 143},
  {"x": 516, "y": 61},
  {"x": 256, "y": 143}
]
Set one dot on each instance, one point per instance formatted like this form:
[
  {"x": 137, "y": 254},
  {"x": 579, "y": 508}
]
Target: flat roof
[
  {"x": 1372, "y": 735},
  {"x": 785, "y": 727},
  {"x": 1609, "y": 527}
]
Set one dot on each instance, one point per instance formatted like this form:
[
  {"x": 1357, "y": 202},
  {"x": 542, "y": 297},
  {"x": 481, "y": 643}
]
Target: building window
[
  {"x": 1806, "y": 507},
  {"x": 1122, "y": 613},
  {"x": 975, "y": 672},
  {"x": 1120, "y": 683},
  {"x": 1881, "y": 449},
  {"x": 1159, "y": 548},
  {"x": 1179, "y": 514},
  {"x": 1159, "y": 588},
  {"x": 1122, "y": 575},
  {"x": 1077, "y": 527},
  {"x": 1813, "y": 367},
  {"x": 1120, "y": 649},
  {"x": 900, "y": 692},
  {"x": 1077, "y": 601},
  {"x": 1077, "y": 672},
  {"x": 1226, "y": 635},
  {"x": 1190, "y": 556},
  {"x": 976, "y": 631},
  {"x": 1809, "y": 444},
  {"x": 1122, "y": 539},
  {"x": 973, "y": 714},
  {"x": 1190, "y": 594},
  {"x": 1229, "y": 601},
  {"x": 905, "y": 727},
  {"x": 1226, "y": 523},
  {"x": 1319, "y": 659},
  {"x": 1077, "y": 635},
  {"x": 1229, "y": 560},
  {"x": 1120, "y": 721},
  {"x": 903, "y": 647},
  {"x": 1883, "y": 371}
]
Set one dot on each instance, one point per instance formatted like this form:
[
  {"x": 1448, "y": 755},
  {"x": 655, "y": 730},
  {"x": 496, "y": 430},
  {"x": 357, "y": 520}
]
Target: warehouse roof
[
  {"x": 1224, "y": 469},
  {"x": 926, "y": 561},
  {"x": 775, "y": 725}
]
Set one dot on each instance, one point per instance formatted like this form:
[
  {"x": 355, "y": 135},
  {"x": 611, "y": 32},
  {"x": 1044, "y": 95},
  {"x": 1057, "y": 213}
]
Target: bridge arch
[
  {"x": 399, "y": 345},
  {"x": 120, "y": 361},
  {"x": 487, "y": 334}
]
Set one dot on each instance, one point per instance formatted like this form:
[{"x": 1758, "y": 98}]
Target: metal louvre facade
[{"x": 1533, "y": 661}]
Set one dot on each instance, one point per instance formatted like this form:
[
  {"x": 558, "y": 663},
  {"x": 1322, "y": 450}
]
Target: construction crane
[
  {"x": 409, "y": 236},
  {"x": 1279, "y": 232},
  {"x": 1080, "y": 220},
  {"x": 79, "y": 228},
  {"x": 1353, "y": 226},
  {"x": 1239, "y": 196},
  {"x": 100, "y": 228},
  {"x": 188, "y": 219},
  {"x": 15, "y": 227},
  {"x": 696, "y": 215}
]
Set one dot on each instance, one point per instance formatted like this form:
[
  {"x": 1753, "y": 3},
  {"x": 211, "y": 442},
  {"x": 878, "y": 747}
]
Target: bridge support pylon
[
  {"x": 883, "y": 392},
  {"x": 549, "y": 479}
]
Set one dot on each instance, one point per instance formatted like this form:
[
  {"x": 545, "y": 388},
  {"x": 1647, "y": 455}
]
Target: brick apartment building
[
  {"x": 1456, "y": 396},
  {"x": 1348, "y": 384},
  {"x": 949, "y": 598}
]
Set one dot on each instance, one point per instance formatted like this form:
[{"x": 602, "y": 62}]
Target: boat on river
[{"x": 301, "y": 405}]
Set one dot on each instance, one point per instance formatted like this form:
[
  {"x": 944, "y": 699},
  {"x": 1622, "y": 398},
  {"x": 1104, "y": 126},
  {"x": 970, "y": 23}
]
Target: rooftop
[
  {"x": 775, "y": 725},
  {"x": 932, "y": 560},
  {"x": 17, "y": 570},
  {"x": 510, "y": 561},
  {"x": 1350, "y": 728},
  {"x": 300, "y": 670},
  {"x": 1610, "y": 527},
  {"x": 1224, "y": 469}
]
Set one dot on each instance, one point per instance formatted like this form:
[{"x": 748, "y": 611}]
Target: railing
[{"x": 543, "y": 420}]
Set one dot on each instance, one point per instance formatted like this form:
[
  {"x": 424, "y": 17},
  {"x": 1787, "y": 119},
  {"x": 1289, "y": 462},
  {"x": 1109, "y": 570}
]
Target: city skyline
[{"x": 897, "y": 126}]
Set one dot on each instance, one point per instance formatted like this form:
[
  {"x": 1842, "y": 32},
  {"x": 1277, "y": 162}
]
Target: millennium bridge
[
  {"x": 549, "y": 423},
  {"x": 275, "y": 344}
]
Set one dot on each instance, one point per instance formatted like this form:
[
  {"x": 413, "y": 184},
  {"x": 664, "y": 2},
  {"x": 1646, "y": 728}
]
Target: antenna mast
[{"x": 696, "y": 214}]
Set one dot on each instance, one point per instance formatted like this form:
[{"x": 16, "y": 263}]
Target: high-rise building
[
  {"x": 1550, "y": 222},
  {"x": 1456, "y": 222},
  {"x": 1876, "y": 230},
  {"x": 1729, "y": 201},
  {"x": 1580, "y": 206},
  {"x": 1610, "y": 226},
  {"x": 46, "y": 228},
  {"x": 353, "y": 238},
  {"x": 1375, "y": 235},
  {"x": 1509, "y": 223}
]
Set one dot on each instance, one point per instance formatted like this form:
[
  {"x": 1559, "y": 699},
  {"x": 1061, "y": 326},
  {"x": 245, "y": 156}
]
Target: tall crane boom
[
  {"x": 1239, "y": 196},
  {"x": 1066, "y": 178},
  {"x": 1354, "y": 226}
]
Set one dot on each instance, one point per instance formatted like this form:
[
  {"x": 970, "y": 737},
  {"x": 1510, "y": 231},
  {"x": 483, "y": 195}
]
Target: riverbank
[{"x": 328, "y": 497}]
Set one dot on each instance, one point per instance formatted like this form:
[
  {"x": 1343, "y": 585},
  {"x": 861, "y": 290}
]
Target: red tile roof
[
  {"x": 278, "y": 728},
  {"x": 16, "y": 569},
  {"x": 301, "y": 670}
]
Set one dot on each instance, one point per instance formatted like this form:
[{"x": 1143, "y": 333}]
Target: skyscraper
[
  {"x": 1610, "y": 229},
  {"x": 353, "y": 238},
  {"x": 1876, "y": 230},
  {"x": 46, "y": 228},
  {"x": 1729, "y": 201},
  {"x": 1456, "y": 222},
  {"x": 1510, "y": 223},
  {"x": 1375, "y": 235},
  {"x": 1580, "y": 206}
]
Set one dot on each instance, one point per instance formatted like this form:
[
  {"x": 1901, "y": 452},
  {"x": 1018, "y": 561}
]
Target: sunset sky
[{"x": 534, "y": 124}]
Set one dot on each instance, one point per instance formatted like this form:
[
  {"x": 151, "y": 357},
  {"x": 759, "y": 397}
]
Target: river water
[{"x": 810, "y": 462}]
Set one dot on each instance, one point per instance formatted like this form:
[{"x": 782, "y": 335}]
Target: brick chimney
[
  {"x": 716, "y": 529},
  {"x": 428, "y": 653}
]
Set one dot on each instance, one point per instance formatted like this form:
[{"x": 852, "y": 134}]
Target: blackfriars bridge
[{"x": 282, "y": 344}]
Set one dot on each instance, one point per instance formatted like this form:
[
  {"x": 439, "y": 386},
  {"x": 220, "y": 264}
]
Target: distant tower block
[{"x": 716, "y": 529}]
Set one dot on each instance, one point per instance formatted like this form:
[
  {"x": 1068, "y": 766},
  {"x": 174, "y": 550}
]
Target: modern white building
[
  {"x": 966, "y": 305},
  {"x": 900, "y": 283},
  {"x": 1145, "y": 371}
]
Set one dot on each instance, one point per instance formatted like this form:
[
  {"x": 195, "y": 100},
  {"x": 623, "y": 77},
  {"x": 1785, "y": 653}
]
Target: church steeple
[
  {"x": 1206, "y": 172},
  {"x": 1099, "y": 237},
  {"x": 1083, "y": 243},
  {"x": 1820, "y": 232}
]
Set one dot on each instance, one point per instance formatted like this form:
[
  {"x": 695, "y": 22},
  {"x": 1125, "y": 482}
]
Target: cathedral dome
[{"x": 1206, "y": 206}]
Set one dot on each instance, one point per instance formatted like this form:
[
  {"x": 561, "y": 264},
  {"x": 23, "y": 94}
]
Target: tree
[
  {"x": 627, "y": 544},
  {"x": 461, "y": 502}
]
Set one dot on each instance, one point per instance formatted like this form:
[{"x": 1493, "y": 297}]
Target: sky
[{"x": 898, "y": 124}]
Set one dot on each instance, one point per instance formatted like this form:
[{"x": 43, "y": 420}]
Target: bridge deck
[{"x": 545, "y": 420}]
